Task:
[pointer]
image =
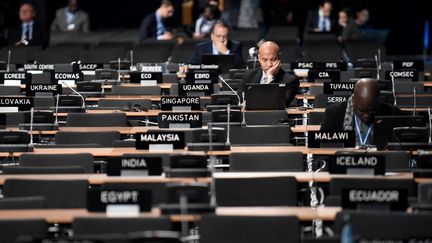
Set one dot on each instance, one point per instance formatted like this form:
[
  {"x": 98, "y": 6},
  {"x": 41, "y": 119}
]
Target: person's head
[
  {"x": 366, "y": 99},
  {"x": 362, "y": 16},
  {"x": 220, "y": 32},
  {"x": 326, "y": 7},
  {"x": 27, "y": 12},
  {"x": 73, "y": 5},
  {"x": 268, "y": 55},
  {"x": 166, "y": 9},
  {"x": 210, "y": 12},
  {"x": 344, "y": 16}
]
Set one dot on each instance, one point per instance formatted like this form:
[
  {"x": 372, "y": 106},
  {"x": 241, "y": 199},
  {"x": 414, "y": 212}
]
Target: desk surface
[{"x": 66, "y": 216}]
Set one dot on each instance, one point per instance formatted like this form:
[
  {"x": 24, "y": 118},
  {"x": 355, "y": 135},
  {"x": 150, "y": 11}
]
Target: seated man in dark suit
[
  {"x": 153, "y": 27},
  {"x": 30, "y": 31},
  {"x": 356, "y": 30},
  {"x": 359, "y": 111},
  {"x": 319, "y": 20},
  {"x": 270, "y": 71},
  {"x": 220, "y": 44}
]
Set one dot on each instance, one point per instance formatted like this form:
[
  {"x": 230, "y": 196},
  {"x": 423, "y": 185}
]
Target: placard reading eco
[
  {"x": 98, "y": 200},
  {"x": 69, "y": 78},
  {"x": 153, "y": 139},
  {"x": 176, "y": 103},
  {"x": 146, "y": 78}
]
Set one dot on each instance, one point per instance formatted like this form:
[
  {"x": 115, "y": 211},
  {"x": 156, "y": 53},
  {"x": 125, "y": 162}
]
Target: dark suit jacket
[
  {"x": 40, "y": 36},
  {"x": 207, "y": 48},
  {"x": 335, "y": 114},
  {"x": 313, "y": 19},
  {"x": 148, "y": 27},
  {"x": 353, "y": 32},
  {"x": 291, "y": 82}
]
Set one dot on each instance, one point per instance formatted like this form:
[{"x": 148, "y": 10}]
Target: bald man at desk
[{"x": 358, "y": 112}]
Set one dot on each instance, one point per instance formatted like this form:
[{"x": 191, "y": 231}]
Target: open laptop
[
  {"x": 265, "y": 96},
  {"x": 225, "y": 62}
]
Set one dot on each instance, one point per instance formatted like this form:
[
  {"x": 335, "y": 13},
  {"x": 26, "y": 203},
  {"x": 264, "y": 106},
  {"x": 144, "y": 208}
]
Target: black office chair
[
  {"x": 270, "y": 191},
  {"x": 260, "y": 135},
  {"x": 58, "y": 193},
  {"x": 135, "y": 90},
  {"x": 250, "y": 229},
  {"x": 98, "y": 225},
  {"x": 315, "y": 118},
  {"x": 363, "y": 49},
  {"x": 323, "y": 50},
  {"x": 408, "y": 88},
  {"x": 22, "y": 203},
  {"x": 95, "y": 139},
  {"x": 103, "y": 54},
  {"x": 10, "y": 90},
  {"x": 59, "y": 54},
  {"x": 117, "y": 119},
  {"x": 266, "y": 117},
  {"x": 153, "y": 51},
  {"x": 21, "y": 54},
  {"x": 14, "y": 229},
  {"x": 137, "y": 104},
  {"x": 82, "y": 160},
  {"x": 280, "y": 161}
]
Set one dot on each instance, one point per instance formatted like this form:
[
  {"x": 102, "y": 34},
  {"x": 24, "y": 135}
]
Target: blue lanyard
[{"x": 362, "y": 142}]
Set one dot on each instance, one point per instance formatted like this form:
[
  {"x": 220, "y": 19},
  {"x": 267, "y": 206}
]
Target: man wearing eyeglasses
[
  {"x": 220, "y": 44},
  {"x": 358, "y": 112},
  {"x": 271, "y": 72}
]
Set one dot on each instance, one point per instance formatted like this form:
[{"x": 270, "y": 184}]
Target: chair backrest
[
  {"x": 315, "y": 118},
  {"x": 363, "y": 49},
  {"x": 124, "y": 104},
  {"x": 99, "y": 225},
  {"x": 83, "y": 160},
  {"x": 97, "y": 138},
  {"x": 135, "y": 90},
  {"x": 280, "y": 161},
  {"x": 10, "y": 90},
  {"x": 13, "y": 229},
  {"x": 117, "y": 119},
  {"x": 258, "y": 191},
  {"x": 265, "y": 117},
  {"x": 25, "y": 170},
  {"x": 58, "y": 193},
  {"x": 408, "y": 87},
  {"x": 424, "y": 193},
  {"x": 250, "y": 229},
  {"x": 260, "y": 135},
  {"x": 22, "y": 203}
]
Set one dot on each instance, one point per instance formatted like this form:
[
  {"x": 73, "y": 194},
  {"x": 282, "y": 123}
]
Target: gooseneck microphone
[
  {"x": 8, "y": 61},
  {"x": 430, "y": 125},
  {"x": 415, "y": 100},
  {"x": 77, "y": 93}
]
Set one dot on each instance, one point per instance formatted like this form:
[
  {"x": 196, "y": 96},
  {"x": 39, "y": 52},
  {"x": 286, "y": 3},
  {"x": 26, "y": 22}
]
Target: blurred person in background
[{"x": 71, "y": 19}]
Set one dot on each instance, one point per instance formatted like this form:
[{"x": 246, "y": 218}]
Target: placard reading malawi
[
  {"x": 394, "y": 199},
  {"x": 134, "y": 166},
  {"x": 98, "y": 200},
  {"x": 356, "y": 163},
  {"x": 15, "y": 78},
  {"x": 33, "y": 89},
  {"x": 320, "y": 139},
  {"x": 13, "y": 104},
  {"x": 180, "y": 120},
  {"x": 331, "y": 88},
  {"x": 154, "y": 140},
  {"x": 176, "y": 103}
]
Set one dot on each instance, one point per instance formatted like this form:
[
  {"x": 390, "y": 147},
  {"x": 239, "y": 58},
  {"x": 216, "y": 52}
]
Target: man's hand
[
  {"x": 166, "y": 36},
  {"x": 221, "y": 46},
  {"x": 273, "y": 71}
]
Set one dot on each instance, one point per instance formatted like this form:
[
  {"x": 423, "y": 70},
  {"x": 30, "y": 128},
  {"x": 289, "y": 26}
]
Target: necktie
[{"x": 26, "y": 32}]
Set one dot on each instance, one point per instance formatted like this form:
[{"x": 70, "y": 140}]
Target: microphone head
[{"x": 252, "y": 52}]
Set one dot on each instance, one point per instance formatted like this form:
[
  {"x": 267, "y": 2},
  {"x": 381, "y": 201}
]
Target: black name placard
[
  {"x": 175, "y": 103},
  {"x": 33, "y": 89},
  {"x": 357, "y": 164},
  {"x": 89, "y": 66},
  {"x": 180, "y": 119},
  {"x": 157, "y": 140},
  {"x": 20, "y": 103},
  {"x": 202, "y": 77},
  {"x": 148, "y": 78},
  {"x": 134, "y": 166},
  {"x": 409, "y": 75},
  {"x": 323, "y": 76},
  {"x": 60, "y": 76},
  {"x": 98, "y": 200},
  {"x": 332, "y": 99},
  {"x": 195, "y": 89},
  {"x": 40, "y": 67},
  {"x": 203, "y": 67},
  {"x": 409, "y": 65},
  {"x": 394, "y": 199},
  {"x": 302, "y": 65},
  {"x": 341, "y": 66},
  {"x": 331, "y": 139},
  {"x": 331, "y": 88},
  {"x": 15, "y": 78}
]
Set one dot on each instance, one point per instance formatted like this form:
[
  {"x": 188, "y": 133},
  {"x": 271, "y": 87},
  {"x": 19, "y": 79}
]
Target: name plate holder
[
  {"x": 403, "y": 75},
  {"x": 160, "y": 140},
  {"x": 195, "y": 90},
  {"x": 338, "y": 87},
  {"x": 357, "y": 164},
  {"x": 43, "y": 89},
  {"x": 15, "y": 78},
  {"x": 331, "y": 139},
  {"x": 180, "y": 120},
  {"x": 376, "y": 199},
  {"x": 69, "y": 78},
  {"x": 146, "y": 78},
  {"x": 323, "y": 76},
  {"x": 89, "y": 69},
  {"x": 178, "y": 103},
  {"x": 202, "y": 77},
  {"x": 15, "y": 104},
  {"x": 134, "y": 165}
]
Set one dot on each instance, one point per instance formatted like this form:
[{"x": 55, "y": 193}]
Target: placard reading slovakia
[
  {"x": 35, "y": 89},
  {"x": 14, "y": 104},
  {"x": 15, "y": 78},
  {"x": 180, "y": 119},
  {"x": 335, "y": 139},
  {"x": 160, "y": 140},
  {"x": 179, "y": 103}
]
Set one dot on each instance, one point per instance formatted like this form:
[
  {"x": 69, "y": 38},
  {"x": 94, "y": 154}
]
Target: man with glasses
[
  {"x": 270, "y": 71},
  {"x": 220, "y": 44},
  {"x": 358, "y": 112}
]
